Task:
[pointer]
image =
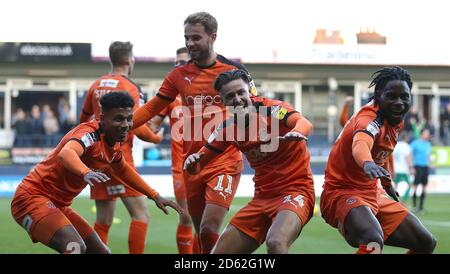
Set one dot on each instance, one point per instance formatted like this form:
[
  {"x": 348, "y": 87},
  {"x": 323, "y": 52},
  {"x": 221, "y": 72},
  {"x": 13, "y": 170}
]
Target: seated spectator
[
  {"x": 19, "y": 121},
  {"x": 50, "y": 122},
  {"x": 35, "y": 122}
]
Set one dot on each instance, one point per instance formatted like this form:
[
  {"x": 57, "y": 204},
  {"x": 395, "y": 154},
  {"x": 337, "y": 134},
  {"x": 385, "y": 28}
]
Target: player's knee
[
  {"x": 210, "y": 225},
  {"x": 366, "y": 237},
  {"x": 106, "y": 219},
  {"x": 185, "y": 220},
  {"x": 427, "y": 243},
  {"x": 73, "y": 247},
  {"x": 276, "y": 245}
]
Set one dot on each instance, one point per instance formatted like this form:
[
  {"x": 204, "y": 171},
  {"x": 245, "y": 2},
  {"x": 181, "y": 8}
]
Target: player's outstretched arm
[
  {"x": 361, "y": 147},
  {"x": 132, "y": 178},
  {"x": 300, "y": 126},
  {"x": 70, "y": 155},
  {"x": 146, "y": 134},
  {"x": 149, "y": 110}
]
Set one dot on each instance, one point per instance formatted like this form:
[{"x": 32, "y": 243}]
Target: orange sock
[
  {"x": 137, "y": 237},
  {"x": 207, "y": 241},
  {"x": 184, "y": 239},
  {"x": 196, "y": 248},
  {"x": 364, "y": 249},
  {"x": 102, "y": 231}
]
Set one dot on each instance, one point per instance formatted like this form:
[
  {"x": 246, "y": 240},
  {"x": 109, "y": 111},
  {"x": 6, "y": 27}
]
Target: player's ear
[{"x": 213, "y": 37}]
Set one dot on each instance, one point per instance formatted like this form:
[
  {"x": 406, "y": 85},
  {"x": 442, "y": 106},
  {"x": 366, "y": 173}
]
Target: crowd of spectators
[
  {"x": 414, "y": 123},
  {"x": 41, "y": 125}
]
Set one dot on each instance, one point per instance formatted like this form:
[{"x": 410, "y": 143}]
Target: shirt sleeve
[
  {"x": 368, "y": 124},
  {"x": 168, "y": 90}
]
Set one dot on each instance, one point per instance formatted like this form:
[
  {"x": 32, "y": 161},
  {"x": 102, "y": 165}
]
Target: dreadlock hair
[
  {"x": 231, "y": 75},
  {"x": 381, "y": 77}
]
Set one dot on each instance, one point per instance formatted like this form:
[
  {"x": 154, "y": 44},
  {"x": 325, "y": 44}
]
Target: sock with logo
[{"x": 184, "y": 239}]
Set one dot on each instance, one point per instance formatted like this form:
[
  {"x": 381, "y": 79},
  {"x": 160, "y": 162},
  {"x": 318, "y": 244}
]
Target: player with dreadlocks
[{"x": 357, "y": 184}]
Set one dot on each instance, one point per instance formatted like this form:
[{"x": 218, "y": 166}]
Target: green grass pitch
[{"x": 316, "y": 237}]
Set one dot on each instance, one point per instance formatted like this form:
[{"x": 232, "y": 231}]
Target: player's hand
[
  {"x": 95, "y": 177},
  {"x": 389, "y": 188},
  {"x": 293, "y": 136},
  {"x": 163, "y": 202},
  {"x": 161, "y": 133},
  {"x": 348, "y": 100},
  {"x": 375, "y": 171},
  {"x": 191, "y": 164}
]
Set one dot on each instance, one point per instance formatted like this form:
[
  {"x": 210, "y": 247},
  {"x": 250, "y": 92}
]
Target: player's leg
[
  {"x": 363, "y": 231},
  {"x": 66, "y": 240},
  {"x": 246, "y": 231},
  {"x": 219, "y": 193},
  {"x": 408, "y": 189},
  {"x": 413, "y": 235},
  {"x": 195, "y": 198},
  {"x": 138, "y": 210},
  {"x": 402, "y": 229},
  {"x": 286, "y": 227},
  {"x": 417, "y": 180},
  {"x": 234, "y": 241},
  {"x": 94, "y": 244},
  {"x": 105, "y": 210},
  {"x": 184, "y": 238},
  {"x": 45, "y": 223},
  {"x": 289, "y": 212},
  {"x": 210, "y": 225},
  {"x": 424, "y": 187}
]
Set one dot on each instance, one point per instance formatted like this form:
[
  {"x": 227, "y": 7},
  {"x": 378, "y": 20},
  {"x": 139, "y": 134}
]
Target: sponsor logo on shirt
[
  {"x": 110, "y": 83},
  {"x": 88, "y": 139},
  {"x": 207, "y": 100},
  {"x": 26, "y": 222},
  {"x": 373, "y": 128},
  {"x": 279, "y": 112}
]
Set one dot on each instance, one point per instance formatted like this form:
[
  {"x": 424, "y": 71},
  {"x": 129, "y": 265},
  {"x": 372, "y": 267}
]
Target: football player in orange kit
[
  {"x": 284, "y": 187},
  {"x": 185, "y": 241},
  {"x": 122, "y": 64},
  {"x": 89, "y": 154},
  {"x": 202, "y": 111},
  {"x": 353, "y": 200}
]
